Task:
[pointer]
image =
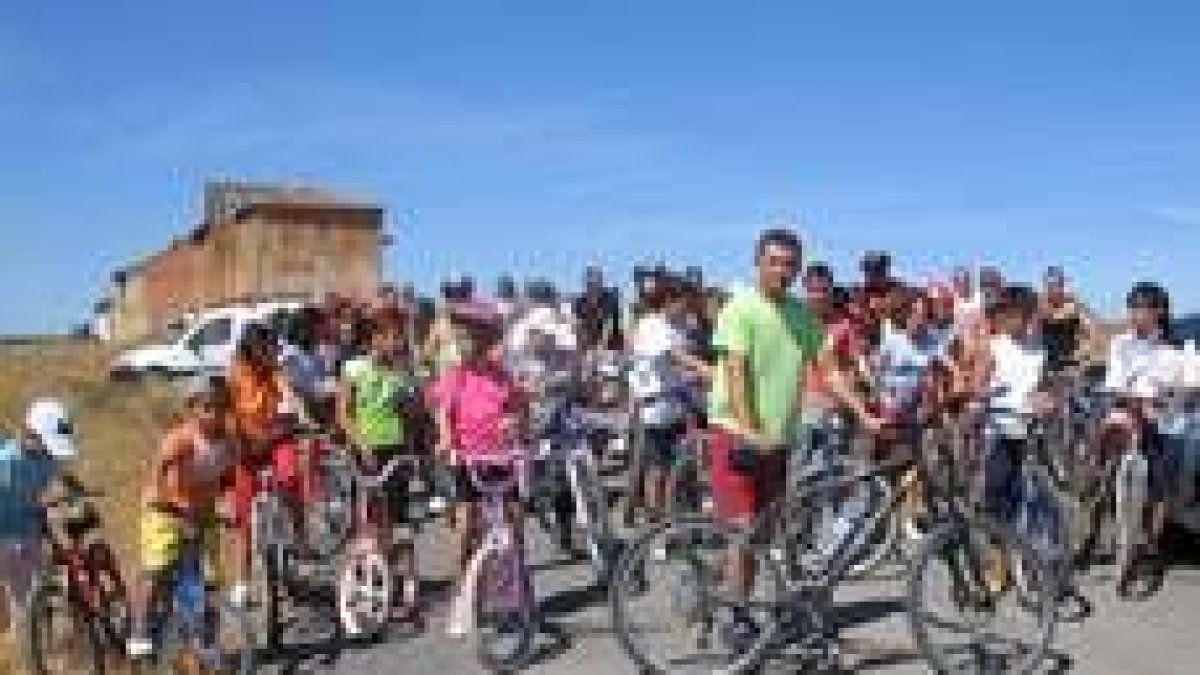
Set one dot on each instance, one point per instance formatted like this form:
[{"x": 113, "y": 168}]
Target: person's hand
[{"x": 873, "y": 424}]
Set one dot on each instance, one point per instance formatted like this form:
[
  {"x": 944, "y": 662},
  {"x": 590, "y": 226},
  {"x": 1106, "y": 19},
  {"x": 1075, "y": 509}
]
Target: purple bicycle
[{"x": 496, "y": 600}]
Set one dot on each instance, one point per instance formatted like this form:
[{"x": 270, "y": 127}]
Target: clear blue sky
[{"x": 540, "y": 135}]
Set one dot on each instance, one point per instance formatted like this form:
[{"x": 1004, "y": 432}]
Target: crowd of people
[{"x": 758, "y": 368}]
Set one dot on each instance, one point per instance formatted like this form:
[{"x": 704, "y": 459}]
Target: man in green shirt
[{"x": 764, "y": 338}]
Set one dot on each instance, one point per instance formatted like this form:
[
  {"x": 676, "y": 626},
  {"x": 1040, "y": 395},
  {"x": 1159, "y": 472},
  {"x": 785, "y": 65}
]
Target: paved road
[{"x": 1155, "y": 637}]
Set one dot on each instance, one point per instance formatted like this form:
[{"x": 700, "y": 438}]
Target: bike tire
[
  {"x": 1040, "y": 599},
  {"x": 50, "y": 602},
  {"x": 1131, "y": 496},
  {"x": 329, "y": 517},
  {"x": 365, "y": 592},
  {"x": 495, "y": 622},
  {"x": 116, "y": 616},
  {"x": 600, "y": 540},
  {"x": 266, "y": 583},
  {"x": 628, "y": 579}
]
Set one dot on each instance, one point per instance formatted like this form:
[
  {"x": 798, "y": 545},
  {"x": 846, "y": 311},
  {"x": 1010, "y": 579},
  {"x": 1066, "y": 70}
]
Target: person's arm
[
  {"x": 345, "y": 416},
  {"x": 732, "y": 342},
  {"x": 841, "y": 385}
]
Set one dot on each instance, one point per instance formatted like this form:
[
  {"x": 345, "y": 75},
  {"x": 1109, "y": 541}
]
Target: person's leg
[
  {"x": 160, "y": 538},
  {"x": 735, "y": 500},
  {"x": 242, "y": 496}
]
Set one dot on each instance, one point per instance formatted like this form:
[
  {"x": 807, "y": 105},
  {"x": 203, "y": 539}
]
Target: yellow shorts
[{"x": 162, "y": 542}]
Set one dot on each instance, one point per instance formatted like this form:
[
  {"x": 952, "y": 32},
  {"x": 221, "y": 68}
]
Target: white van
[{"x": 206, "y": 346}]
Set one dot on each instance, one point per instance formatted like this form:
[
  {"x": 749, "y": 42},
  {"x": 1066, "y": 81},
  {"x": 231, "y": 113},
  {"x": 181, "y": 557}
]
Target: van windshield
[{"x": 211, "y": 334}]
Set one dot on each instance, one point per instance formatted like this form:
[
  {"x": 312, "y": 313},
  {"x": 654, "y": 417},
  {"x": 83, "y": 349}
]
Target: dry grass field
[{"x": 116, "y": 423}]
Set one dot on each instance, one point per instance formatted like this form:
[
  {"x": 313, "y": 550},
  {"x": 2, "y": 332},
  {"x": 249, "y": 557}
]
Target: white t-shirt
[
  {"x": 1016, "y": 375},
  {"x": 1139, "y": 367},
  {"x": 654, "y": 335},
  {"x": 653, "y": 375}
]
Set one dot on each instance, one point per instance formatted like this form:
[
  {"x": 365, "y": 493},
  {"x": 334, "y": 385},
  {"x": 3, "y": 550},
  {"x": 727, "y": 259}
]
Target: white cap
[{"x": 49, "y": 420}]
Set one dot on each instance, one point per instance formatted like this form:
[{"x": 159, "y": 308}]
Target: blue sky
[{"x": 504, "y": 134}]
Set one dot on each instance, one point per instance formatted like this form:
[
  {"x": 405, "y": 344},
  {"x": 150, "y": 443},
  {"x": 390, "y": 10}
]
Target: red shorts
[
  {"x": 740, "y": 496},
  {"x": 284, "y": 460}
]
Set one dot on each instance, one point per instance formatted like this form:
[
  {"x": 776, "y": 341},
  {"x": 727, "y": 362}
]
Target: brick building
[{"x": 255, "y": 243}]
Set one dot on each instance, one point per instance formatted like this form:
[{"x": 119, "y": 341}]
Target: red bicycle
[{"x": 78, "y": 614}]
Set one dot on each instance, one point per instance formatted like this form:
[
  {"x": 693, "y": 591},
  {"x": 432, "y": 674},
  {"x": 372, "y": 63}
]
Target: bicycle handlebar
[
  {"x": 512, "y": 462},
  {"x": 378, "y": 478}
]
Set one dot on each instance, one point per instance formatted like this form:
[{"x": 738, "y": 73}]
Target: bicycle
[
  {"x": 195, "y": 629},
  {"x": 366, "y": 582},
  {"x": 496, "y": 600},
  {"x": 285, "y": 534},
  {"x": 567, "y": 453},
  {"x": 800, "y": 572},
  {"x": 327, "y": 476},
  {"x": 78, "y": 613}
]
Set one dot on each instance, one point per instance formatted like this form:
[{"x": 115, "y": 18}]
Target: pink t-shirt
[{"x": 478, "y": 400}]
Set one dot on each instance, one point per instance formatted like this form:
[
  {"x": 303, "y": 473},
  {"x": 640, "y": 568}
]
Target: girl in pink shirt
[{"x": 480, "y": 411}]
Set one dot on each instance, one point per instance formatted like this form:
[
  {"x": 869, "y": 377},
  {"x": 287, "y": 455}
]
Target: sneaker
[{"x": 139, "y": 647}]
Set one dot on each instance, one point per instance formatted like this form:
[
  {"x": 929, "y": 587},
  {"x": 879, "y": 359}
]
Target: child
[
  {"x": 30, "y": 480},
  {"x": 194, "y": 463},
  {"x": 480, "y": 410},
  {"x": 371, "y": 412},
  {"x": 1012, "y": 373}
]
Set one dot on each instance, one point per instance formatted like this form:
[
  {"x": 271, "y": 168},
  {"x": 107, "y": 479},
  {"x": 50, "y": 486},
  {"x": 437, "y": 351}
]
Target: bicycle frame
[
  {"x": 837, "y": 565},
  {"x": 501, "y": 539}
]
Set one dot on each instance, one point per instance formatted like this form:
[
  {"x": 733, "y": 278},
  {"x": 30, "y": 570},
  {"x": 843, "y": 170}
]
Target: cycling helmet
[
  {"x": 476, "y": 314},
  {"x": 49, "y": 420},
  {"x": 1149, "y": 295}
]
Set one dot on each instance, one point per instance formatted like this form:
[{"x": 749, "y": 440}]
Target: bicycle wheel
[
  {"x": 365, "y": 591},
  {"x": 329, "y": 515},
  {"x": 673, "y": 612},
  {"x": 818, "y": 518},
  {"x": 965, "y": 611},
  {"x": 270, "y": 561},
  {"x": 505, "y": 613},
  {"x": 1131, "y": 494},
  {"x": 115, "y": 615},
  {"x": 60, "y": 635},
  {"x": 598, "y": 532}
]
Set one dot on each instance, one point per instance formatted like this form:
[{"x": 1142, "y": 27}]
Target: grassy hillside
[{"x": 117, "y": 424}]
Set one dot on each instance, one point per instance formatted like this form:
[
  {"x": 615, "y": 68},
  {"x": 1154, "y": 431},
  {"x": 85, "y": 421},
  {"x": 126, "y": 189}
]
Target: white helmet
[{"x": 49, "y": 420}]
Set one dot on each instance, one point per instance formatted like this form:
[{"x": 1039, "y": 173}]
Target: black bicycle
[{"x": 960, "y": 591}]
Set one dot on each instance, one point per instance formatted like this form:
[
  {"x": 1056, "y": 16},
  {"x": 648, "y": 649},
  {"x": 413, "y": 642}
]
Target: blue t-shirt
[{"x": 22, "y": 481}]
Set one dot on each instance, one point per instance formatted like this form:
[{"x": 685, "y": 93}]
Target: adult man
[
  {"x": 597, "y": 313},
  {"x": 764, "y": 340}
]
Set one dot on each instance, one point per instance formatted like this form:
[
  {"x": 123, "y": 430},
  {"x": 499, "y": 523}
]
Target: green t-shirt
[
  {"x": 777, "y": 340},
  {"x": 376, "y": 404}
]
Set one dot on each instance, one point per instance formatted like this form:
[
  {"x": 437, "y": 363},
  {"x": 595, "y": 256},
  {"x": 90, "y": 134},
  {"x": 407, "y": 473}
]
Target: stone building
[{"x": 255, "y": 243}]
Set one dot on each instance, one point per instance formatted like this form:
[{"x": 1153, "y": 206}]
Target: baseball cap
[{"x": 49, "y": 420}]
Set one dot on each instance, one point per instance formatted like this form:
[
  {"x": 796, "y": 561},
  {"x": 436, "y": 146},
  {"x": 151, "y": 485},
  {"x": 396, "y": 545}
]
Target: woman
[
  {"x": 1139, "y": 370},
  {"x": 662, "y": 362}
]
